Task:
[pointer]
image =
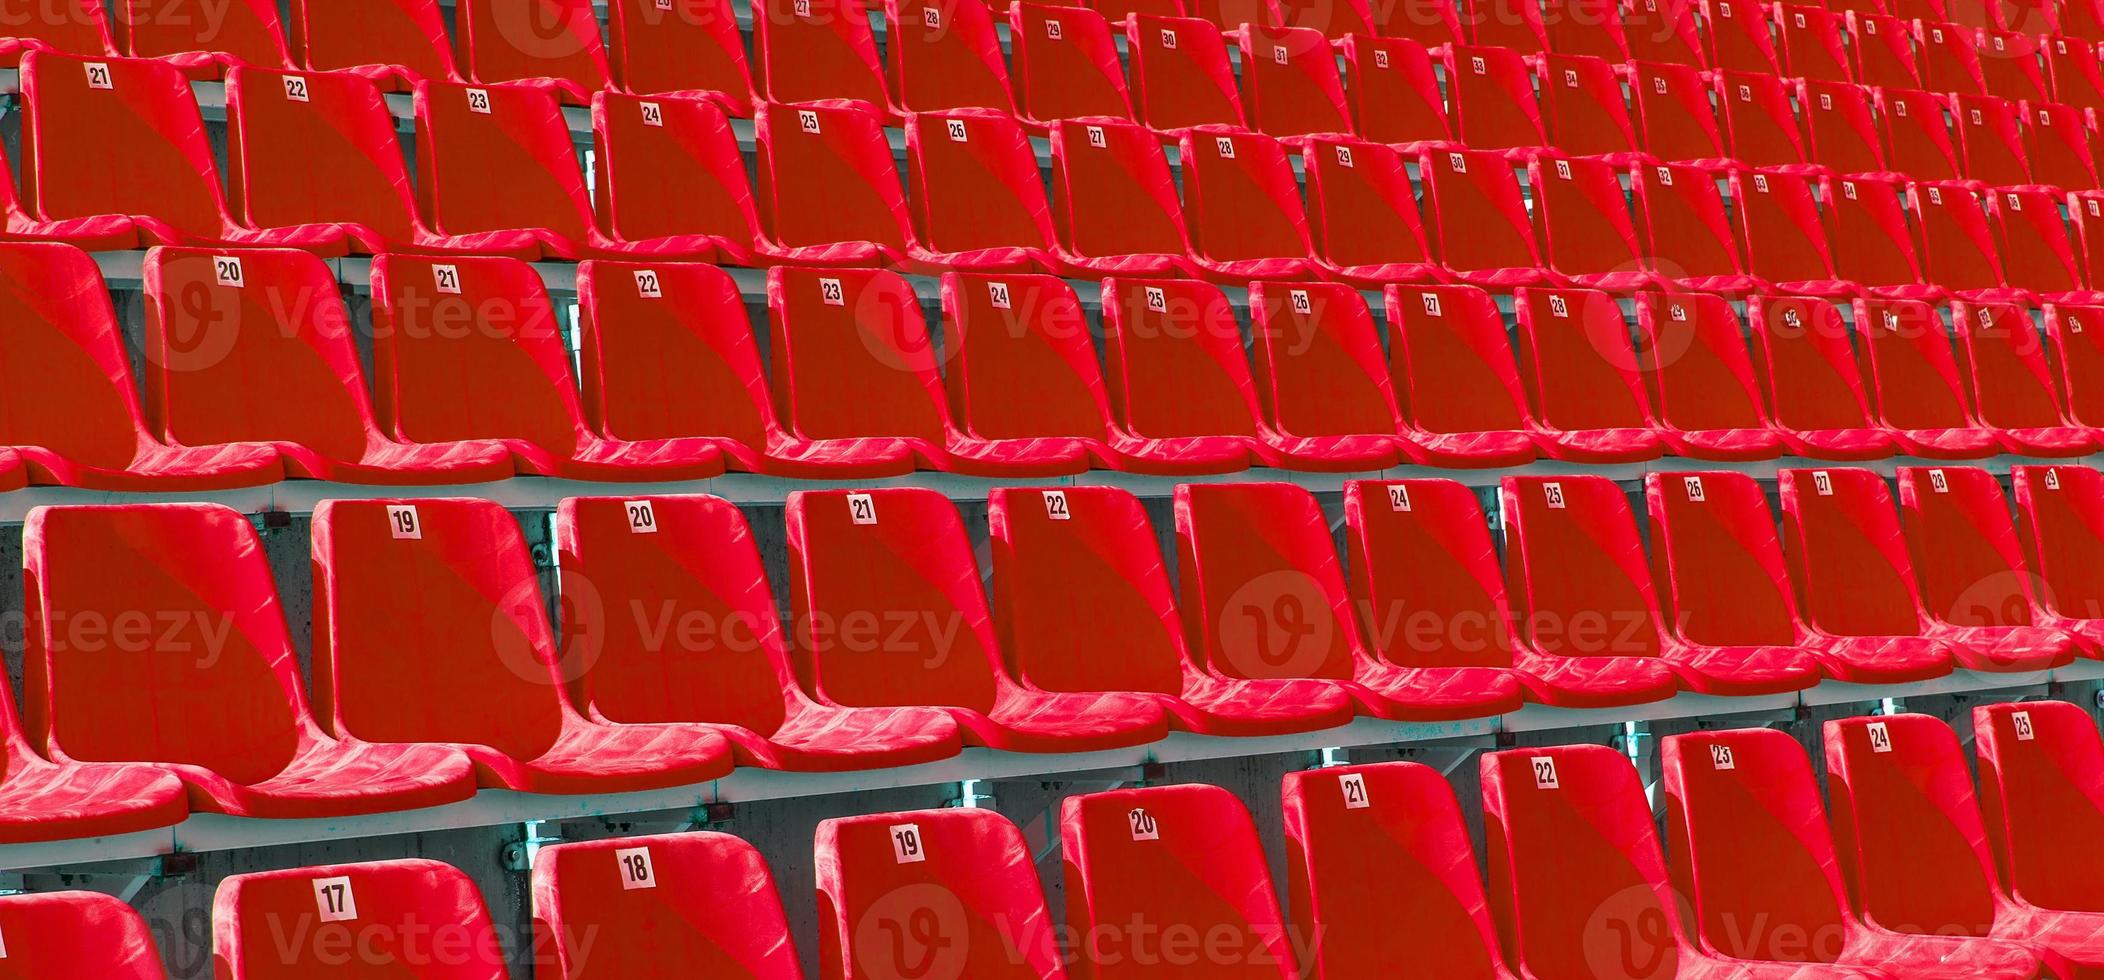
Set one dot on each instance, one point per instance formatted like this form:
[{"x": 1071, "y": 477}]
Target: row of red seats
[
  {"x": 672, "y": 672},
  {"x": 1906, "y": 878}
]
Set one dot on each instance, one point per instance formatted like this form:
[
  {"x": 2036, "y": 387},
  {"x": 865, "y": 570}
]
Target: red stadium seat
[
  {"x": 1873, "y": 241},
  {"x": 1514, "y": 25},
  {"x": 1958, "y": 254},
  {"x": 944, "y": 54},
  {"x": 1662, "y": 31},
  {"x": 2040, "y": 762},
  {"x": 1699, "y": 379},
  {"x": 688, "y": 369},
  {"x": 1074, "y": 566},
  {"x": 1381, "y": 870},
  {"x": 670, "y": 177},
  {"x": 901, "y": 556},
  {"x": 1490, "y": 95},
  {"x": 468, "y": 350},
  {"x": 1759, "y": 120},
  {"x": 1290, "y": 84},
  {"x": 2085, "y": 210},
  {"x": 282, "y": 925},
  {"x": 1810, "y": 42},
  {"x": 1914, "y": 849},
  {"x": 1677, "y": 121},
  {"x": 1966, "y": 556},
  {"x": 275, "y": 120},
  {"x": 1691, "y": 241},
  {"x": 61, "y": 935},
  {"x": 1732, "y": 795},
  {"x": 1242, "y": 207},
  {"x": 2060, "y": 146},
  {"x": 1023, "y": 368},
  {"x": 1362, "y": 213},
  {"x": 1575, "y": 356},
  {"x": 199, "y": 571},
  {"x": 281, "y": 378},
  {"x": 942, "y": 889},
  {"x": 978, "y": 201},
  {"x": 687, "y": 46},
  {"x": 1847, "y": 556},
  {"x": 732, "y": 677},
  {"x": 1185, "y": 858},
  {"x": 2083, "y": 19},
  {"x": 41, "y": 800},
  {"x": 476, "y": 618},
  {"x": 828, "y": 185},
  {"x": 1740, "y": 35},
  {"x": 1180, "y": 74},
  {"x": 853, "y": 361},
  {"x": 1948, "y": 58},
  {"x": 548, "y": 44},
  {"x": 1809, "y": 373},
  {"x": 69, "y": 415},
  {"x": 2078, "y": 80},
  {"x": 1582, "y": 219},
  {"x": 393, "y": 43},
  {"x": 1393, "y": 91},
  {"x": 1719, "y": 564},
  {"x": 1425, "y": 576},
  {"x": 1917, "y": 140},
  {"x": 1114, "y": 203},
  {"x": 1432, "y": 23},
  {"x": 1785, "y": 235},
  {"x": 1990, "y": 143},
  {"x": 1588, "y": 28},
  {"x": 1262, "y": 597},
  {"x": 1485, "y": 235},
  {"x": 806, "y": 50},
  {"x": 2057, "y": 508},
  {"x": 1455, "y": 378},
  {"x": 1323, "y": 391},
  {"x": 2078, "y": 360},
  {"x": 203, "y": 38},
  {"x": 1920, "y": 396},
  {"x": 1883, "y": 46},
  {"x": 69, "y": 26},
  {"x": 1065, "y": 65},
  {"x": 1841, "y": 132},
  {"x": 1583, "y": 110},
  {"x": 655, "y": 907},
  {"x": 1576, "y": 558},
  {"x": 2012, "y": 384},
  {"x": 165, "y": 183},
  {"x": 2009, "y": 65}
]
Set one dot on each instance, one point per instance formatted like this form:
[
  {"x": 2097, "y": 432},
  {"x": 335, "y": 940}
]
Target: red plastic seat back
[
  {"x": 1673, "y": 103},
  {"x": 1963, "y": 543},
  {"x": 1811, "y": 42},
  {"x": 1071, "y": 568},
  {"x": 1740, "y": 36},
  {"x": 1757, "y": 114},
  {"x": 57, "y": 935},
  {"x": 694, "y": 46},
  {"x": 908, "y": 566},
  {"x": 409, "y": 34},
  {"x": 1873, "y": 242},
  {"x": 1065, "y": 64},
  {"x": 1258, "y": 583},
  {"x": 1575, "y": 351},
  {"x": 1785, "y": 234},
  {"x": 1989, "y": 136},
  {"x": 1846, "y": 553},
  {"x": 1491, "y": 91},
  {"x": 2078, "y": 80},
  {"x": 1917, "y": 139},
  {"x": 2009, "y": 65},
  {"x": 1808, "y": 365},
  {"x": 1180, "y": 74},
  {"x": 2060, "y": 146},
  {"x": 1393, "y": 91},
  {"x": 1482, "y": 219},
  {"x": 1576, "y": 565},
  {"x": 1842, "y": 133},
  {"x": 1911, "y": 363},
  {"x": 1949, "y": 62},
  {"x": 1290, "y": 85},
  {"x": 2039, "y": 766},
  {"x": 1362, "y": 210},
  {"x": 666, "y": 351},
  {"x": 975, "y": 182},
  {"x": 633, "y": 907},
  {"x": 804, "y": 50},
  {"x": 2086, "y": 210},
  {"x": 2078, "y": 357},
  {"x": 661, "y": 635},
  {"x": 1187, "y": 857},
  {"x": 254, "y": 914},
  {"x": 1514, "y": 25},
  {"x": 1319, "y": 367},
  {"x": 1692, "y": 352},
  {"x": 65, "y": 375},
  {"x": 314, "y": 148},
  {"x": 2033, "y": 240},
  {"x": 1716, "y": 557},
  {"x": 1383, "y": 871},
  {"x": 1241, "y": 200},
  {"x": 1021, "y": 360},
  {"x": 503, "y": 40},
  {"x": 1112, "y": 193},
  {"x": 1957, "y": 248},
  {"x": 1174, "y": 360},
  {"x": 247, "y": 31},
  {"x": 1582, "y": 106},
  {"x": 852, "y": 356},
  {"x": 1907, "y": 826},
  {"x": 217, "y": 684},
  {"x": 70, "y": 26},
  {"x": 496, "y": 158},
  {"x": 885, "y": 878},
  {"x": 1662, "y": 31},
  {"x": 1884, "y": 50},
  {"x": 2005, "y": 359},
  {"x": 1452, "y": 360},
  {"x": 2061, "y": 508},
  {"x": 669, "y": 166},
  {"x": 944, "y": 54},
  {"x": 1685, "y": 222},
  {"x": 1582, "y": 217},
  {"x": 1422, "y": 562},
  {"x": 826, "y": 174},
  {"x": 1589, "y": 28}
]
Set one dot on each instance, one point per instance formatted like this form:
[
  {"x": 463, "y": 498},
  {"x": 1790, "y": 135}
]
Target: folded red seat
[
  {"x": 2057, "y": 509},
  {"x": 1290, "y": 83},
  {"x": 1699, "y": 380},
  {"x": 1180, "y": 74},
  {"x": 1914, "y": 849},
  {"x": 1425, "y": 576},
  {"x": 1785, "y": 235},
  {"x": 1242, "y": 207},
  {"x": 430, "y": 629},
  {"x": 1990, "y": 144},
  {"x": 1917, "y": 139},
  {"x": 1114, "y": 203},
  {"x": 900, "y": 558},
  {"x": 669, "y": 175},
  {"x": 1966, "y": 555},
  {"x": 1760, "y": 121},
  {"x": 1514, "y": 25},
  {"x": 1690, "y": 238},
  {"x": 1816, "y": 394},
  {"x": 955, "y": 888},
  {"x": 468, "y": 350},
  {"x": 1662, "y": 31},
  {"x": 1065, "y": 65},
  {"x": 1490, "y": 94},
  {"x": 828, "y": 185},
  {"x": 1719, "y": 564},
  {"x": 692, "y": 47},
  {"x": 1362, "y": 213},
  {"x": 2072, "y": 67},
  {"x": 1381, "y": 869},
  {"x": 1750, "y": 843},
  {"x": 1883, "y": 46},
  {"x": 2077, "y": 359},
  {"x": 1675, "y": 118},
  {"x": 1079, "y": 567},
  {"x": 668, "y": 357},
  {"x": 1849, "y": 559},
  {"x": 2060, "y": 146},
  {"x": 1184, "y": 859},
  {"x": 2011, "y": 383},
  {"x": 1920, "y": 396},
  {"x": 69, "y": 415},
  {"x": 2040, "y": 762},
  {"x": 691, "y": 904},
  {"x": 392, "y": 43},
  {"x": 1958, "y": 251},
  {"x": 1873, "y": 240},
  {"x": 1583, "y": 112},
  {"x": 253, "y": 356},
  {"x": 978, "y": 199},
  {"x": 944, "y": 54},
  {"x": 1582, "y": 220},
  {"x": 215, "y": 696},
  {"x": 2032, "y": 237},
  {"x": 410, "y": 918},
  {"x": 1485, "y": 235},
  {"x": 1741, "y": 36},
  {"x": 552, "y": 45},
  {"x": 1323, "y": 391},
  {"x": 201, "y": 37},
  {"x": 2085, "y": 209},
  {"x": 61, "y": 935},
  {"x": 726, "y": 665},
  {"x": 807, "y": 50},
  {"x": 165, "y": 184},
  {"x": 1393, "y": 90},
  {"x": 1841, "y": 131},
  {"x": 1576, "y": 359},
  {"x": 1587, "y": 28},
  {"x": 1455, "y": 379},
  {"x": 1949, "y": 57},
  {"x": 1810, "y": 42},
  {"x": 2009, "y": 61}
]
